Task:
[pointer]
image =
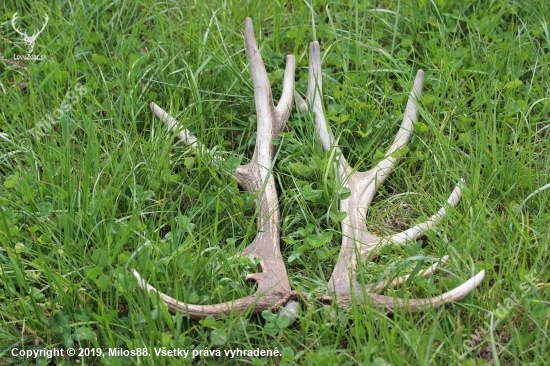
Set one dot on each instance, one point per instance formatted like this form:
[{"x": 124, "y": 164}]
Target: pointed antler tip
[
  {"x": 158, "y": 111},
  {"x": 480, "y": 276},
  {"x": 419, "y": 77},
  {"x": 314, "y": 46},
  {"x": 250, "y": 40},
  {"x": 469, "y": 286},
  {"x": 248, "y": 24}
]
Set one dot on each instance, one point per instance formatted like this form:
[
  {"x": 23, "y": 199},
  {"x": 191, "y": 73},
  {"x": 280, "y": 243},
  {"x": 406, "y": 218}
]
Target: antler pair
[{"x": 274, "y": 289}]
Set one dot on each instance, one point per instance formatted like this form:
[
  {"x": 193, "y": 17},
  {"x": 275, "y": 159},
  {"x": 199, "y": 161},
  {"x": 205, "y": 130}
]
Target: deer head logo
[{"x": 29, "y": 40}]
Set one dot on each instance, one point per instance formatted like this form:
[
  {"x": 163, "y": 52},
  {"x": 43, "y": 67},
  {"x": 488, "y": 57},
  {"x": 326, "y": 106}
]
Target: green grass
[{"x": 105, "y": 189}]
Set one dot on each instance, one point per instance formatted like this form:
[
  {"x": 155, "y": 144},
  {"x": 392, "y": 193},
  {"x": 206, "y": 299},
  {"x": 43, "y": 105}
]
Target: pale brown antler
[
  {"x": 356, "y": 239},
  {"x": 273, "y": 284}
]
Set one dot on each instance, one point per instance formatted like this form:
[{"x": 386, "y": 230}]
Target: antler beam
[{"x": 356, "y": 239}]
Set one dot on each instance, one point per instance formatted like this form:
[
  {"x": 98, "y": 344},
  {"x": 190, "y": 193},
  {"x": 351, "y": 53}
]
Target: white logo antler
[{"x": 29, "y": 39}]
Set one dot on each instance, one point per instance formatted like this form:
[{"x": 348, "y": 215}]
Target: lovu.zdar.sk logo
[{"x": 29, "y": 40}]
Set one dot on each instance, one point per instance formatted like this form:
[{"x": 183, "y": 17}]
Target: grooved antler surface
[{"x": 273, "y": 284}]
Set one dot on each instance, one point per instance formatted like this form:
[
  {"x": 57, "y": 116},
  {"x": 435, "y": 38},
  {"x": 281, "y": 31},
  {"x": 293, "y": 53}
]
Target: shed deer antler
[
  {"x": 356, "y": 239},
  {"x": 273, "y": 284}
]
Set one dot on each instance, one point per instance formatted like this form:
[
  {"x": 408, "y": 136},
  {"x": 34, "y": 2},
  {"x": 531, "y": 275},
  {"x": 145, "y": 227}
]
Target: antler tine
[
  {"x": 183, "y": 134},
  {"x": 384, "y": 167},
  {"x": 419, "y": 230},
  {"x": 392, "y": 303},
  {"x": 356, "y": 239},
  {"x": 282, "y": 111},
  {"x": 273, "y": 285},
  {"x": 377, "y": 287}
]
